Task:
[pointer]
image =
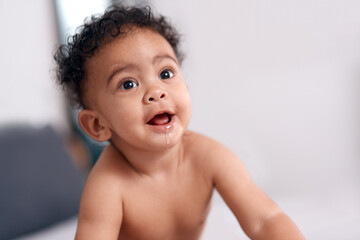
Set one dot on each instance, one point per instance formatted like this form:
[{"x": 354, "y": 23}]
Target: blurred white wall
[
  {"x": 28, "y": 93},
  {"x": 71, "y": 14}
]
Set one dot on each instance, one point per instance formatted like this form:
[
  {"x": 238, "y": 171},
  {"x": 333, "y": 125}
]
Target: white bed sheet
[
  {"x": 319, "y": 217},
  {"x": 61, "y": 231}
]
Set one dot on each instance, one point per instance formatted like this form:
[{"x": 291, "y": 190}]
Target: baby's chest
[{"x": 168, "y": 211}]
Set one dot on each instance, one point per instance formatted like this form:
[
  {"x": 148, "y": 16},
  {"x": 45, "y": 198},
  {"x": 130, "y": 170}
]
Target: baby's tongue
[{"x": 159, "y": 119}]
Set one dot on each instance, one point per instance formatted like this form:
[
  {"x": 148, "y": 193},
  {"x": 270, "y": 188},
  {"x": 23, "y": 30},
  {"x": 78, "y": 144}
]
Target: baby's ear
[{"x": 93, "y": 126}]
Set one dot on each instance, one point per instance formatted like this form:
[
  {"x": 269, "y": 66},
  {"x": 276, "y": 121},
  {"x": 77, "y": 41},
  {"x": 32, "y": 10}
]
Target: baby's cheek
[
  {"x": 186, "y": 108},
  {"x": 187, "y": 100}
]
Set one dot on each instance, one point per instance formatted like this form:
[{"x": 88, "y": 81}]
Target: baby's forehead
[
  {"x": 120, "y": 40},
  {"x": 133, "y": 41}
]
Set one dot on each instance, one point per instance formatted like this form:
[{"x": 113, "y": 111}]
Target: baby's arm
[
  {"x": 257, "y": 214},
  {"x": 101, "y": 210}
]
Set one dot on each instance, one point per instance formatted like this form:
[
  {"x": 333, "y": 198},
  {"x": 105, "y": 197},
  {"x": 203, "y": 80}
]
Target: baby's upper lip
[{"x": 159, "y": 112}]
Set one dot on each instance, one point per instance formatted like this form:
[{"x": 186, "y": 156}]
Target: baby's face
[{"x": 135, "y": 86}]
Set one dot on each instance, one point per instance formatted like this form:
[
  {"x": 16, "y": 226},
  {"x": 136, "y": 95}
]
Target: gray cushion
[{"x": 39, "y": 185}]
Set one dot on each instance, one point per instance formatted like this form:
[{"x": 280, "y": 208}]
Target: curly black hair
[{"x": 99, "y": 31}]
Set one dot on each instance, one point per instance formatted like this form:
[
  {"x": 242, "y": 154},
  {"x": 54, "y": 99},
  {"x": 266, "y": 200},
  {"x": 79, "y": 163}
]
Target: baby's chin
[
  {"x": 154, "y": 142},
  {"x": 167, "y": 140}
]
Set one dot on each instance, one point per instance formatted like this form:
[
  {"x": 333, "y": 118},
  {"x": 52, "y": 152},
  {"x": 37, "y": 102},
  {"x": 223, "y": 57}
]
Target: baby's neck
[{"x": 153, "y": 163}]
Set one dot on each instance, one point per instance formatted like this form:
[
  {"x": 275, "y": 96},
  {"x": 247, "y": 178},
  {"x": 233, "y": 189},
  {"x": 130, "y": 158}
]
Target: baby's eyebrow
[
  {"x": 164, "y": 56},
  {"x": 120, "y": 69}
]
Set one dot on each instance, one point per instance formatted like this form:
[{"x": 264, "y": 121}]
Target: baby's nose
[{"x": 155, "y": 95}]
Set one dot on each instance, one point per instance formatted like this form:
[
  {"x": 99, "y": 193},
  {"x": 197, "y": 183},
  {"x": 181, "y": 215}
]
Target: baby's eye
[
  {"x": 128, "y": 85},
  {"x": 166, "y": 74}
]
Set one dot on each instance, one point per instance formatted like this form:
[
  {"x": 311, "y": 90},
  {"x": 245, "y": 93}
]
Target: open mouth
[{"x": 160, "y": 119}]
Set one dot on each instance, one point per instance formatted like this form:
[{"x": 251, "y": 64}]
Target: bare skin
[{"x": 155, "y": 179}]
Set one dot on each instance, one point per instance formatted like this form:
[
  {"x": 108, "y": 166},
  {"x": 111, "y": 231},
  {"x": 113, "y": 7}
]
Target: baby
[{"x": 155, "y": 179}]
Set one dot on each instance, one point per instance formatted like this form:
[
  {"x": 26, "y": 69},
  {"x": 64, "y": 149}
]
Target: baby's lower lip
[{"x": 165, "y": 127}]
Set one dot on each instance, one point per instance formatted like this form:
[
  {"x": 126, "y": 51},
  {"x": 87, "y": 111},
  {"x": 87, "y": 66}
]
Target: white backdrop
[
  {"x": 28, "y": 38},
  {"x": 279, "y": 83},
  {"x": 276, "y": 81}
]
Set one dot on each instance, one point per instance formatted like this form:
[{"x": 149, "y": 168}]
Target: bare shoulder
[
  {"x": 101, "y": 203},
  {"x": 210, "y": 154},
  {"x": 201, "y": 142},
  {"x": 257, "y": 214},
  {"x": 108, "y": 169}
]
